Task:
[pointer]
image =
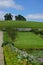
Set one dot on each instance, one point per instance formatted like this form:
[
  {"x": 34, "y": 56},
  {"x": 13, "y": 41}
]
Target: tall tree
[
  {"x": 8, "y": 16},
  {"x": 20, "y": 17}
]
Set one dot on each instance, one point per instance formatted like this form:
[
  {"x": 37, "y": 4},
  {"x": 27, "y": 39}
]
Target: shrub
[
  {"x": 12, "y": 33},
  {"x": 36, "y": 31},
  {"x": 41, "y": 32},
  {"x": 5, "y": 43},
  {"x": 41, "y": 63}
]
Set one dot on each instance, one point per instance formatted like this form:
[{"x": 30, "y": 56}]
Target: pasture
[
  {"x": 26, "y": 40},
  {"x": 23, "y": 41},
  {"x": 20, "y": 24}
]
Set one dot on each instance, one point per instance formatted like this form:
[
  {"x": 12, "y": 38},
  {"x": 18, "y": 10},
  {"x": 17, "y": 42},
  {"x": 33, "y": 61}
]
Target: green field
[
  {"x": 21, "y": 24},
  {"x": 26, "y": 40}
]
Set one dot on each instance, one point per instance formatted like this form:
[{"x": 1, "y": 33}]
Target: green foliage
[
  {"x": 20, "y": 24},
  {"x": 26, "y": 40},
  {"x": 6, "y": 43},
  {"x": 41, "y": 32},
  {"x": 36, "y": 31},
  {"x": 41, "y": 63},
  {"x": 10, "y": 56},
  {"x": 23, "y": 41},
  {"x": 8, "y": 16},
  {"x": 12, "y": 33},
  {"x": 20, "y": 17}
]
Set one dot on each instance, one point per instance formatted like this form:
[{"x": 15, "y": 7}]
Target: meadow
[
  {"x": 20, "y": 24},
  {"x": 24, "y": 41}
]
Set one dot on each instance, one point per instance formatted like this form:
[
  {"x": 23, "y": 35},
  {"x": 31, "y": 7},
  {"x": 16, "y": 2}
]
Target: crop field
[{"x": 20, "y": 24}]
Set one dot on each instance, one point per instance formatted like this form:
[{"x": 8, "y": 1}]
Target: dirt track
[{"x": 1, "y": 49}]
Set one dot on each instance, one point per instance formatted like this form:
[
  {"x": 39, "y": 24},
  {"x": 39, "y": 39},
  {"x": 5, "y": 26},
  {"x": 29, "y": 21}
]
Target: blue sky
[{"x": 31, "y": 9}]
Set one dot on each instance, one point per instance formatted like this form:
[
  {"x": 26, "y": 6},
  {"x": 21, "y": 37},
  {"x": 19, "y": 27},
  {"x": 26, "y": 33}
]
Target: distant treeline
[{"x": 9, "y": 16}]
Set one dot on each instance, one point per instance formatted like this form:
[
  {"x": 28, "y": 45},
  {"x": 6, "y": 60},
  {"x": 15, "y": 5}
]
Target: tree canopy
[
  {"x": 20, "y": 17},
  {"x": 8, "y": 16}
]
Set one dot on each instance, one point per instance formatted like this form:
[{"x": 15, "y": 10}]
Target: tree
[
  {"x": 20, "y": 17},
  {"x": 12, "y": 33},
  {"x": 8, "y": 16}
]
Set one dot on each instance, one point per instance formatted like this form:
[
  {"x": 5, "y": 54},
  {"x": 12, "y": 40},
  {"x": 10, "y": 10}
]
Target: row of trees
[{"x": 9, "y": 16}]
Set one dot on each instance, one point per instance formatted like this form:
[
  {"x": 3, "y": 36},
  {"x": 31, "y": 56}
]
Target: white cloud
[
  {"x": 10, "y": 4},
  {"x": 34, "y": 16},
  {"x": 1, "y": 15}
]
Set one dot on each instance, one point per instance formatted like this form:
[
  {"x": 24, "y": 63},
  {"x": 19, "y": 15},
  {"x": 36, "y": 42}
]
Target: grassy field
[
  {"x": 26, "y": 40},
  {"x": 21, "y": 24}
]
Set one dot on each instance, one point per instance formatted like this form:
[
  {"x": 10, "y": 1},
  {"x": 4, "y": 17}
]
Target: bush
[
  {"x": 41, "y": 32},
  {"x": 5, "y": 43},
  {"x": 41, "y": 63},
  {"x": 36, "y": 31},
  {"x": 12, "y": 33}
]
